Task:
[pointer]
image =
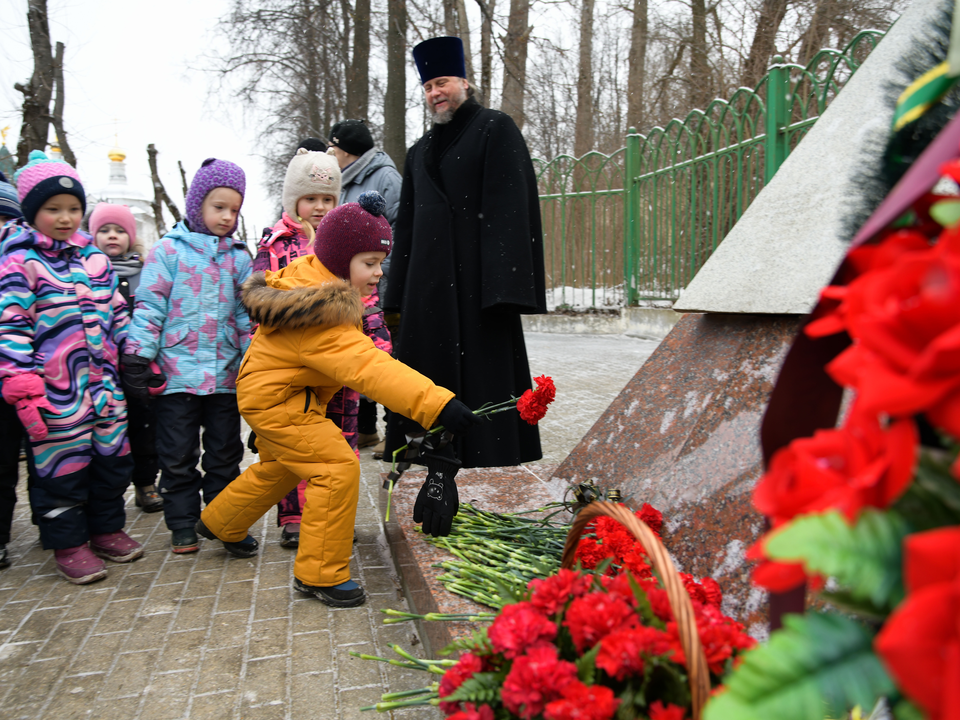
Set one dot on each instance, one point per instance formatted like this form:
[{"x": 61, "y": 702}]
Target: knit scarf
[{"x": 129, "y": 267}]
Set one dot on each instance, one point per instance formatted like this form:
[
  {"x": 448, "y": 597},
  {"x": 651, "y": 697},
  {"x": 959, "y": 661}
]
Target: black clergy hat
[{"x": 439, "y": 57}]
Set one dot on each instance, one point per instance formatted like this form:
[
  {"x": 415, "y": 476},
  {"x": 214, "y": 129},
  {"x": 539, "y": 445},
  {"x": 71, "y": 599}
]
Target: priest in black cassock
[{"x": 467, "y": 260}]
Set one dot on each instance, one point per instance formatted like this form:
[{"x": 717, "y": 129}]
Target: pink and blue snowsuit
[
  {"x": 62, "y": 318},
  {"x": 189, "y": 318}
]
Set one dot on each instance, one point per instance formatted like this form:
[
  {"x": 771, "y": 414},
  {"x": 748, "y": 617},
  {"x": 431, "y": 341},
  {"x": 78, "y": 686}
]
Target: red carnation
[
  {"x": 471, "y": 712},
  {"x": 468, "y": 665},
  {"x": 670, "y": 712},
  {"x": 583, "y": 702},
  {"x": 533, "y": 403},
  {"x": 594, "y": 616},
  {"x": 519, "y": 626},
  {"x": 858, "y": 465},
  {"x": 712, "y": 589},
  {"x": 920, "y": 642},
  {"x": 536, "y": 679},
  {"x": 652, "y": 517},
  {"x": 621, "y": 653},
  {"x": 551, "y": 595}
]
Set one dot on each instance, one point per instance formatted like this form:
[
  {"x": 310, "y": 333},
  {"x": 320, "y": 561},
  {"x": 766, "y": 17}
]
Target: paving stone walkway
[{"x": 207, "y": 635}]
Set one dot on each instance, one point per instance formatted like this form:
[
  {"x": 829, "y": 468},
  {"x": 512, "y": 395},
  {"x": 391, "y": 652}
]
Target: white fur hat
[{"x": 309, "y": 173}]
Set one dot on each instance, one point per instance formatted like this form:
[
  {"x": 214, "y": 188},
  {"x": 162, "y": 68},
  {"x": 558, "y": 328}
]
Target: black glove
[
  {"x": 457, "y": 418},
  {"x": 438, "y": 501},
  {"x": 138, "y": 377},
  {"x": 252, "y": 443}
]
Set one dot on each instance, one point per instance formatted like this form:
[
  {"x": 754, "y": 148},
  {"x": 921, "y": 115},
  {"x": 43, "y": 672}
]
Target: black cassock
[{"x": 466, "y": 263}]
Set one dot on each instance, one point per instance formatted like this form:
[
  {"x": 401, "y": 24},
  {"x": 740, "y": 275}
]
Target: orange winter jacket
[{"x": 309, "y": 344}]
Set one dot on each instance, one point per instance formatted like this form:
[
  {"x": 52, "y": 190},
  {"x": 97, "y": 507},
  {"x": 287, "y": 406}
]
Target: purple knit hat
[
  {"x": 351, "y": 229},
  {"x": 42, "y": 178},
  {"x": 212, "y": 174}
]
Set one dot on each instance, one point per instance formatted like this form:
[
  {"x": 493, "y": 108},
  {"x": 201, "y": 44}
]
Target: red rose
[
  {"x": 517, "y": 627},
  {"x": 905, "y": 323},
  {"x": 583, "y": 702},
  {"x": 920, "y": 642},
  {"x": 552, "y": 594},
  {"x": 774, "y": 576},
  {"x": 468, "y": 665},
  {"x": 594, "y": 616},
  {"x": 621, "y": 653},
  {"x": 536, "y": 679},
  {"x": 670, "y": 712},
  {"x": 858, "y": 465}
]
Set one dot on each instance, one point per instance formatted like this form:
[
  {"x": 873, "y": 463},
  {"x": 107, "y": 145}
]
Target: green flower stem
[
  {"x": 410, "y": 693},
  {"x": 388, "y": 706}
]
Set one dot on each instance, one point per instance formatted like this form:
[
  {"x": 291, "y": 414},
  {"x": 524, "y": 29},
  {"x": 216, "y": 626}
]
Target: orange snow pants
[{"x": 333, "y": 488}]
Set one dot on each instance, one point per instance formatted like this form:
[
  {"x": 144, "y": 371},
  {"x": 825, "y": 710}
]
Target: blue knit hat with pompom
[
  {"x": 351, "y": 229},
  {"x": 9, "y": 203}
]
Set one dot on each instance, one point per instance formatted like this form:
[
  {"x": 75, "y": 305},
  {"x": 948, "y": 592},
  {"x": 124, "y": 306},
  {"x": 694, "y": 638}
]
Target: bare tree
[
  {"x": 38, "y": 92},
  {"x": 160, "y": 196},
  {"x": 515, "y": 60},
  {"x": 358, "y": 77},
  {"x": 636, "y": 76},
  {"x": 583, "y": 135},
  {"x": 487, "y": 8},
  {"x": 58, "y": 104},
  {"x": 395, "y": 100},
  {"x": 701, "y": 88},
  {"x": 763, "y": 47}
]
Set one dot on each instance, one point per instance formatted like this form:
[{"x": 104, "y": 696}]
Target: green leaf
[
  {"x": 479, "y": 688},
  {"x": 906, "y": 710},
  {"x": 865, "y": 558},
  {"x": 933, "y": 498},
  {"x": 817, "y": 666},
  {"x": 587, "y": 665},
  {"x": 643, "y": 605}
]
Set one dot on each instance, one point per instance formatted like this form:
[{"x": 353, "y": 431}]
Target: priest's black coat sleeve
[{"x": 511, "y": 234}]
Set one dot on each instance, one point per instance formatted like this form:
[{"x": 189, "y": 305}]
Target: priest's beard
[{"x": 453, "y": 104}]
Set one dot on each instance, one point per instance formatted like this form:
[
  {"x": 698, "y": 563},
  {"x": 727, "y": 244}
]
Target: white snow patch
[{"x": 668, "y": 417}]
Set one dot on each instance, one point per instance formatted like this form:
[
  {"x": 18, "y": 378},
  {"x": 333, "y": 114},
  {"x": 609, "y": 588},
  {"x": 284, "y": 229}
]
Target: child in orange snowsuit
[{"x": 308, "y": 345}]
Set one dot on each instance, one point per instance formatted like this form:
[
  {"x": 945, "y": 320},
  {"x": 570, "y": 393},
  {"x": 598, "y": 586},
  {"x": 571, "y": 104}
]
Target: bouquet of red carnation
[
  {"x": 533, "y": 403},
  {"x": 588, "y": 647}
]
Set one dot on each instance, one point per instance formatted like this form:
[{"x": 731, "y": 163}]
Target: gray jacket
[{"x": 374, "y": 170}]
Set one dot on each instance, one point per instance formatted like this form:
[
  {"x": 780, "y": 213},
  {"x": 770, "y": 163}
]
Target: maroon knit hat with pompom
[{"x": 351, "y": 229}]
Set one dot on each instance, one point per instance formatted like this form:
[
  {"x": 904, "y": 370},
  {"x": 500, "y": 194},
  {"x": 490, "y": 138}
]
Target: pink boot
[
  {"x": 79, "y": 565},
  {"x": 116, "y": 546}
]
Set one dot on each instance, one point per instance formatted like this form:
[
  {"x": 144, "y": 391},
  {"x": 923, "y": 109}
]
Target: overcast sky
[{"x": 127, "y": 71}]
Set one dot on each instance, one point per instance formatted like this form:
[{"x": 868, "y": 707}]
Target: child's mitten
[
  {"x": 457, "y": 417},
  {"x": 438, "y": 501},
  {"x": 141, "y": 378},
  {"x": 28, "y": 394}
]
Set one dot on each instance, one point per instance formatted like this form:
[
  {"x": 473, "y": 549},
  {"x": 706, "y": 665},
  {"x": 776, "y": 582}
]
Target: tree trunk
[
  {"x": 37, "y": 94},
  {"x": 314, "y": 119},
  {"x": 583, "y": 132},
  {"x": 700, "y": 86},
  {"x": 464, "y": 33},
  {"x": 183, "y": 179},
  {"x": 515, "y": 60},
  {"x": 450, "y": 17},
  {"x": 395, "y": 99},
  {"x": 817, "y": 33},
  {"x": 160, "y": 196},
  {"x": 358, "y": 78},
  {"x": 58, "y": 108},
  {"x": 771, "y": 15},
  {"x": 486, "y": 49},
  {"x": 638, "y": 65}
]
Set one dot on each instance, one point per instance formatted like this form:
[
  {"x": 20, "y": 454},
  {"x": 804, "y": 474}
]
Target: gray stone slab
[{"x": 789, "y": 242}]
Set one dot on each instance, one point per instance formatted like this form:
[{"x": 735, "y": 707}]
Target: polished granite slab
[
  {"x": 684, "y": 434},
  {"x": 506, "y": 489}
]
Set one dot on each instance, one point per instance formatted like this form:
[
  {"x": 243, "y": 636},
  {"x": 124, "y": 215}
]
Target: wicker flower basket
[{"x": 699, "y": 673}]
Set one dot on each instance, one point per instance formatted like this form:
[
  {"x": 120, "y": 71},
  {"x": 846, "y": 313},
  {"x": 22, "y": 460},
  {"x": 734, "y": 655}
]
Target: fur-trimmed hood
[{"x": 303, "y": 294}]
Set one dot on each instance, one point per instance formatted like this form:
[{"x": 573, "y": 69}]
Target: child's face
[
  {"x": 312, "y": 208},
  {"x": 220, "y": 209},
  {"x": 59, "y": 217},
  {"x": 113, "y": 240},
  {"x": 365, "y": 271}
]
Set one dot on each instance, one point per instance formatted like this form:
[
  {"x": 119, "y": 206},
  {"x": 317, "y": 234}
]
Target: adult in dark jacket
[{"x": 467, "y": 260}]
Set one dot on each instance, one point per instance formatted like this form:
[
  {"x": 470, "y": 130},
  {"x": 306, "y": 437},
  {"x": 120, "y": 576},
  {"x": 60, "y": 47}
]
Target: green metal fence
[{"x": 638, "y": 224}]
